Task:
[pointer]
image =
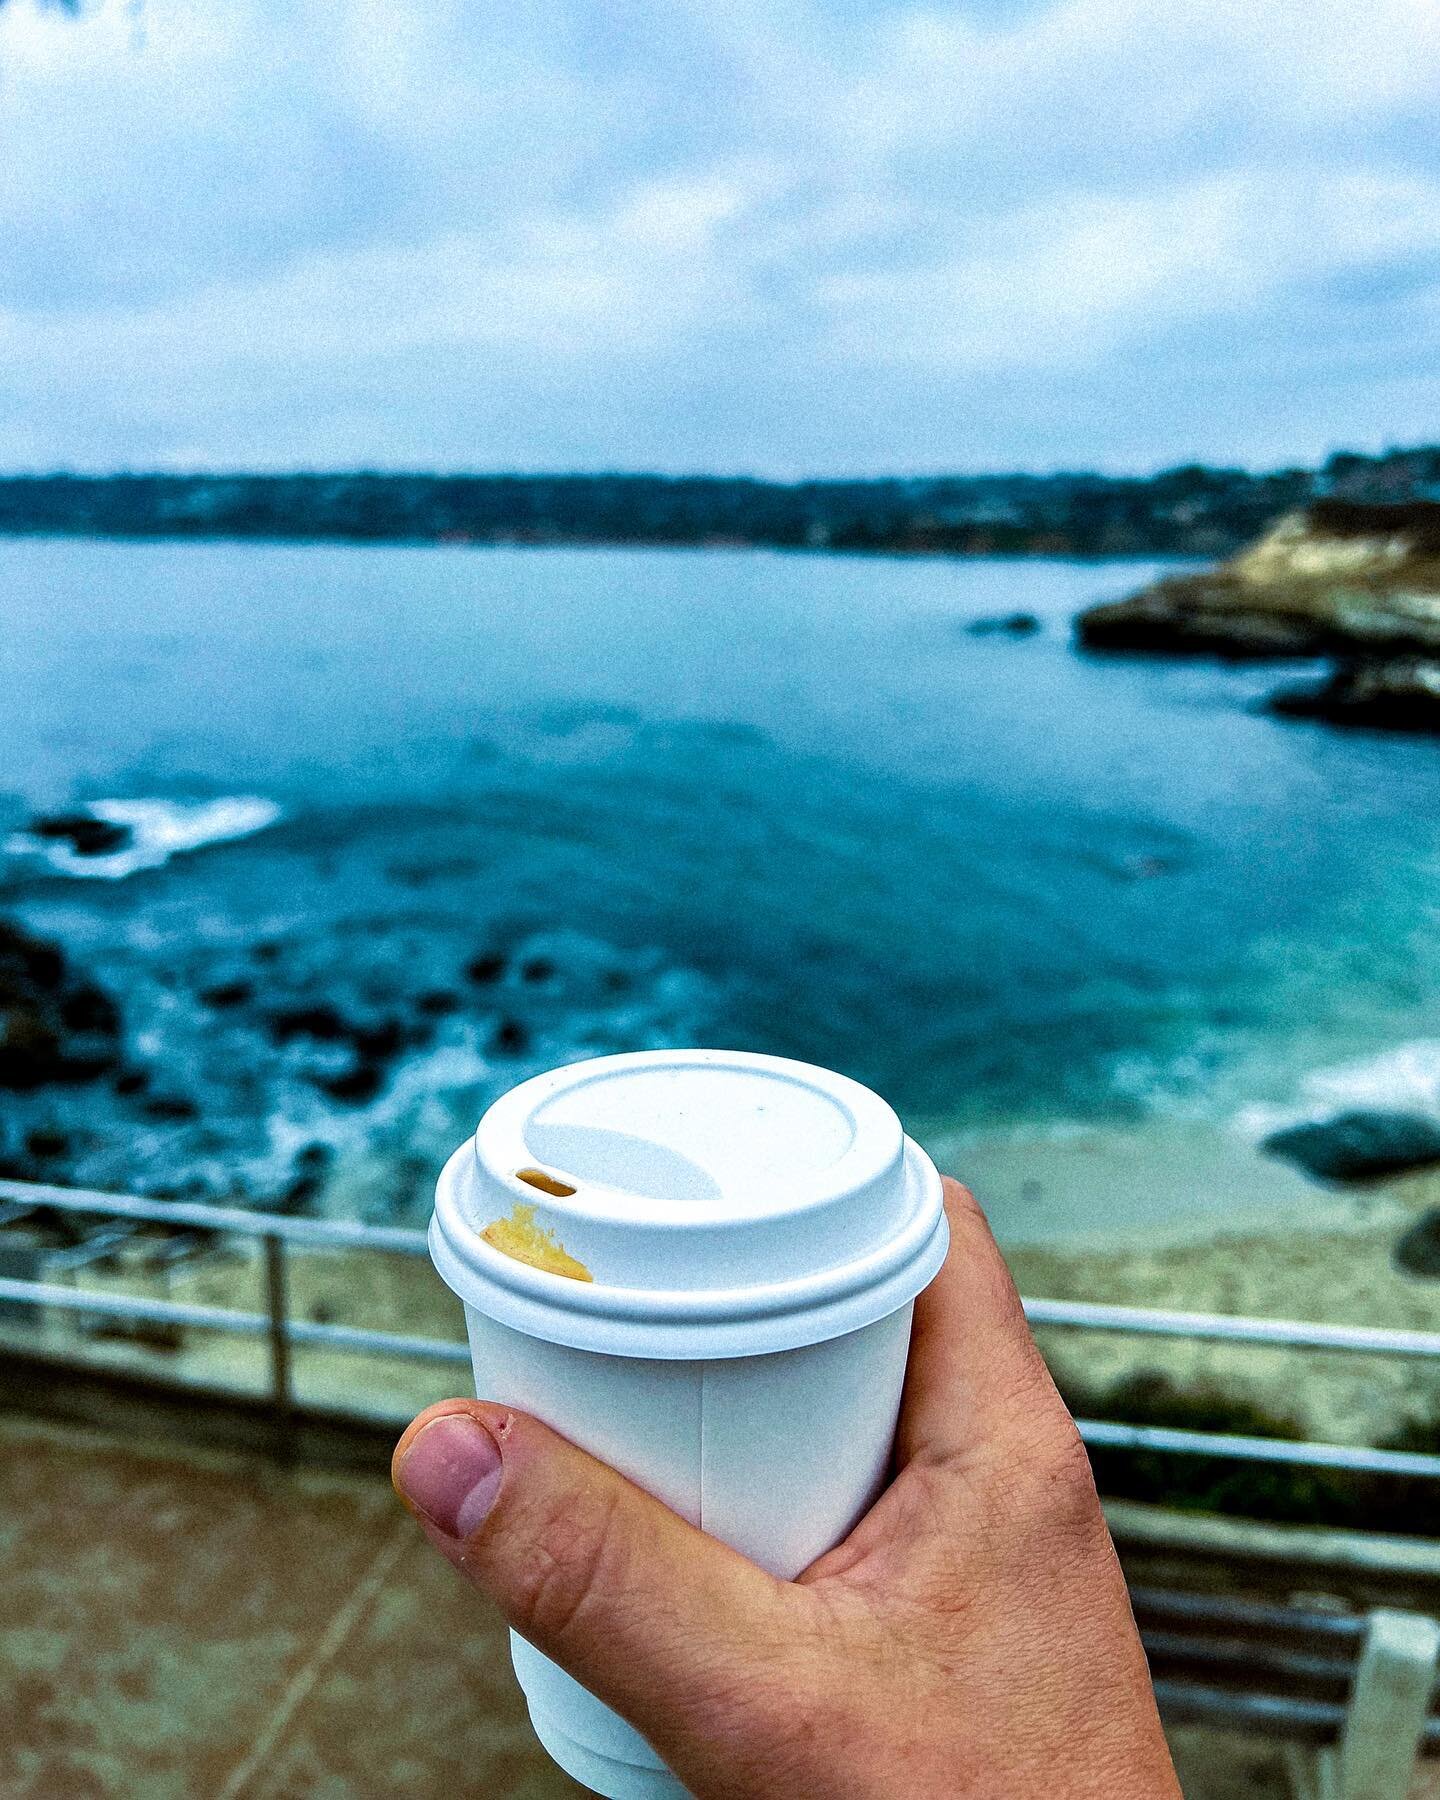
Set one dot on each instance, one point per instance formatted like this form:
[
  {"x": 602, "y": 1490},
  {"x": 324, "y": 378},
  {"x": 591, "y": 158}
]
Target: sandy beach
[
  {"x": 1195, "y": 1218},
  {"x": 1089, "y": 1216}
]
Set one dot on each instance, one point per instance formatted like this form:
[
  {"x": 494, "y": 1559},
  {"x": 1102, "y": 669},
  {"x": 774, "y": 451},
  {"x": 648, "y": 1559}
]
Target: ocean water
[{"x": 786, "y": 802}]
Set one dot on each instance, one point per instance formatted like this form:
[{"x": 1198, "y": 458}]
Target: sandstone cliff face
[
  {"x": 1358, "y": 584},
  {"x": 1336, "y": 580}
]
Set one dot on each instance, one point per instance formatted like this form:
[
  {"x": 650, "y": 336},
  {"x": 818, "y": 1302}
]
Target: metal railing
[
  {"x": 278, "y": 1234},
  {"x": 275, "y": 1233}
]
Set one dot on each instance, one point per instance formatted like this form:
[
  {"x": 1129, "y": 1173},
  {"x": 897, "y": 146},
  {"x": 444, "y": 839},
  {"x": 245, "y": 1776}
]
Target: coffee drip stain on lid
[{"x": 522, "y": 1238}]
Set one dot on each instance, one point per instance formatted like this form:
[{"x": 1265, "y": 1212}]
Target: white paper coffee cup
[{"x": 756, "y": 1231}]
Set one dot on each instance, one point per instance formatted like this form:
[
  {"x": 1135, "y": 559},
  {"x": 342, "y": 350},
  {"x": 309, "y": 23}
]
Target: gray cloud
[{"x": 779, "y": 237}]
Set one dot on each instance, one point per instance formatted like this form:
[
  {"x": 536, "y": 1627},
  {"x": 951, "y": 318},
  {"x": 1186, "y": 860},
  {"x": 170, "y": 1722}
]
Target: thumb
[{"x": 670, "y": 1627}]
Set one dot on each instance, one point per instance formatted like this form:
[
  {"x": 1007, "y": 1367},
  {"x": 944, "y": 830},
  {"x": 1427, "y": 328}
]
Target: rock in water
[
  {"x": 225, "y": 994},
  {"x": 1020, "y": 624},
  {"x": 323, "y": 1022},
  {"x": 1401, "y": 694},
  {"x": 170, "y": 1108},
  {"x": 356, "y": 1086},
  {"x": 53, "y": 1027},
  {"x": 1417, "y": 1250},
  {"x": 86, "y": 835},
  {"x": 1359, "y": 1146}
]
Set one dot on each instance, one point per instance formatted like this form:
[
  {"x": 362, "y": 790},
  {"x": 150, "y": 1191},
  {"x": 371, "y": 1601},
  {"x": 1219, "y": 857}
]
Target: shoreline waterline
[{"x": 1152, "y": 1183}]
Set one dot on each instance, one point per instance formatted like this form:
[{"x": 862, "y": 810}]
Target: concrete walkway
[
  {"x": 195, "y": 1622},
  {"x": 209, "y": 1625}
]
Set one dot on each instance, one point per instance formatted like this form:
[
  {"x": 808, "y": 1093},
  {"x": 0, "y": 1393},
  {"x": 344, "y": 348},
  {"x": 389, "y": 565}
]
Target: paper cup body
[
  {"x": 777, "y": 1451},
  {"x": 777, "y": 1455}
]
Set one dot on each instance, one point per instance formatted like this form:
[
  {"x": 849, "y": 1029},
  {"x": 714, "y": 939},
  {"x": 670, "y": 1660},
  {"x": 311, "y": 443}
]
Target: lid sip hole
[{"x": 547, "y": 1184}]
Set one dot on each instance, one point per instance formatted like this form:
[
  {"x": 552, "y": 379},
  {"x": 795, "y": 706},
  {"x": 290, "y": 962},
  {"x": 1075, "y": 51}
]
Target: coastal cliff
[{"x": 1359, "y": 584}]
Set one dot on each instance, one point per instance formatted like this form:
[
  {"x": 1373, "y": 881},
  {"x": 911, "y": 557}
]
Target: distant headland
[
  {"x": 1357, "y": 583},
  {"x": 1188, "y": 511}
]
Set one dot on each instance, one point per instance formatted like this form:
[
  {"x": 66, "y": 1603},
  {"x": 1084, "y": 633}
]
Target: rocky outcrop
[
  {"x": 1417, "y": 1250},
  {"x": 1359, "y": 1145},
  {"x": 373, "y": 1045},
  {"x": 1194, "y": 615},
  {"x": 1397, "y": 694},
  {"x": 1338, "y": 579},
  {"x": 54, "y": 1026},
  {"x": 1358, "y": 584}
]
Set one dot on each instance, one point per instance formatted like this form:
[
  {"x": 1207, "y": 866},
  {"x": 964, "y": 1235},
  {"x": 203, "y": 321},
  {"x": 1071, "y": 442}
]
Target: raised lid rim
[{"x": 500, "y": 1146}]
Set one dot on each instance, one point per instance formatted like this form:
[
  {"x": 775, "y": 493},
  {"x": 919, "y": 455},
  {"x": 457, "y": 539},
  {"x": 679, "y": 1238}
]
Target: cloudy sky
[{"x": 781, "y": 236}]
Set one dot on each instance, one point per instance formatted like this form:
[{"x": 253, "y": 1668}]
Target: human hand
[{"x": 970, "y": 1639}]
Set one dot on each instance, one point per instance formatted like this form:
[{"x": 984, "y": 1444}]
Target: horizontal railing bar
[
  {"x": 335, "y": 1233},
  {"x": 1087, "y": 1315},
  {"x": 1242, "y": 1658},
  {"x": 1229, "y": 1614},
  {"x": 1188, "y": 1703},
  {"x": 1060, "y": 1314},
  {"x": 387, "y": 1343},
  {"x": 224, "y": 1318},
  {"x": 1106, "y": 1434},
  {"x": 132, "y": 1306},
  {"x": 1098, "y": 1433}
]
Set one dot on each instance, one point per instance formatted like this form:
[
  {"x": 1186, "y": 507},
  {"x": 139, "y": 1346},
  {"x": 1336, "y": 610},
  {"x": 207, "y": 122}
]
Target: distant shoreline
[
  {"x": 1192, "y": 511},
  {"x": 700, "y": 546}
]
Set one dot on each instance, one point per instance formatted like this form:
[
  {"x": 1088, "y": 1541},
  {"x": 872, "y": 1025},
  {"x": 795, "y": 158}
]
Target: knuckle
[
  {"x": 1063, "y": 1484},
  {"x": 958, "y": 1196},
  {"x": 1040, "y": 1480}
]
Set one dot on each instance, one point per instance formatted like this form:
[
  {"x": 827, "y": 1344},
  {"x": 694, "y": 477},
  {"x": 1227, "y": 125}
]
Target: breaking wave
[
  {"x": 132, "y": 835},
  {"x": 1405, "y": 1078}
]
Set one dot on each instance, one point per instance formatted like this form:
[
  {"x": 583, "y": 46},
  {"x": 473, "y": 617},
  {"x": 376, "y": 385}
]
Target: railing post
[
  {"x": 1385, "y": 1720},
  {"x": 276, "y": 1304}
]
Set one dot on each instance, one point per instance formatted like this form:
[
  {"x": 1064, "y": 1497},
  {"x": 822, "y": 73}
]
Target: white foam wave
[
  {"x": 158, "y": 830},
  {"x": 1403, "y": 1079}
]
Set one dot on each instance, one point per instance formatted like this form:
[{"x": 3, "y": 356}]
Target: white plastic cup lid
[{"x": 722, "y": 1204}]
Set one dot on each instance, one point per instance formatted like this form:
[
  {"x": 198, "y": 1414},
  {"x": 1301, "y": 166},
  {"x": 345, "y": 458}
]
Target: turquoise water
[{"x": 787, "y": 802}]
